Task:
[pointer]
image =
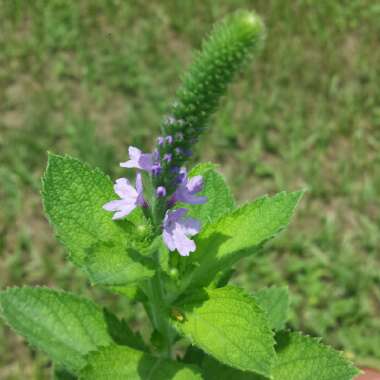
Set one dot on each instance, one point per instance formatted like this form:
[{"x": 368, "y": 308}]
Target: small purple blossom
[
  {"x": 139, "y": 160},
  {"x": 177, "y": 229},
  {"x": 156, "y": 169},
  {"x": 160, "y": 140},
  {"x": 187, "y": 189},
  {"x": 169, "y": 139},
  {"x": 130, "y": 197},
  {"x": 161, "y": 192},
  {"x": 167, "y": 157}
]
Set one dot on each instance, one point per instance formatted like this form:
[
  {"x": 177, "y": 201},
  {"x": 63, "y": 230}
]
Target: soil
[{"x": 369, "y": 374}]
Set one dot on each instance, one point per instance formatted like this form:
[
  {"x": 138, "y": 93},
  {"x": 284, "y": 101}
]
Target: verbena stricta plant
[{"x": 170, "y": 240}]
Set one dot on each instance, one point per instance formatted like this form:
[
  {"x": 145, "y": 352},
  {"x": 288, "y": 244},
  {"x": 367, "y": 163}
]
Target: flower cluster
[{"x": 176, "y": 229}]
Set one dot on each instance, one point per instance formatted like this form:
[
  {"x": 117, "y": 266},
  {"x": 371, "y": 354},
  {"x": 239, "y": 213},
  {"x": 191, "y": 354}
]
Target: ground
[{"x": 91, "y": 77}]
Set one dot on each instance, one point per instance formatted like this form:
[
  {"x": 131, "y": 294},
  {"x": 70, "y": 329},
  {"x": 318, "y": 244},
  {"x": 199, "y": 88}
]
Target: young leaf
[
  {"x": 121, "y": 363},
  {"x": 275, "y": 301},
  {"x": 61, "y": 324},
  {"x": 229, "y": 325},
  {"x": 73, "y": 196},
  {"x": 115, "y": 265},
  {"x": 219, "y": 198},
  {"x": 239, "y": 234},
  {"x": 304, "y": 358}
]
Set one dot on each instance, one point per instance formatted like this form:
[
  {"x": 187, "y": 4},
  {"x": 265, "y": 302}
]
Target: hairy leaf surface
[
  {"x": 275, "y": 301},
  {"x": 61, "y": 324},
  {"x": 239, "y": 234},
  {"x": 229, "y": 325},
  {"x": 301, "y": 357},
  {"x": 121, "y": 363}
]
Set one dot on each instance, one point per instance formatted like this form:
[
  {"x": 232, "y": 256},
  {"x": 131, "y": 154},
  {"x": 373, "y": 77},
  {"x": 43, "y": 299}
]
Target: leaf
[
  {"x": 219, "y": 198},
  {"x": 229, "y": 325},
  {"x": 238, "y": 234},
  {"x": 214, "y": 370},
  {"x": 61, "y": 324},
  {"x": 122, "y": 334},
  {"x": 304, "y": 358},
  {"x": 275, "y": 301},
  {"x": 62, "y": 374},
  {"x": 73, "y": 196},
  {"x": 298, "y": 358},
  {"x": 121, "y": 363},
  {"x": 116, "y": 265}
]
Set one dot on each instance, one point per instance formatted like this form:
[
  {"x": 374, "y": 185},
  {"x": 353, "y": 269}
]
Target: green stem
[{"x": 158, "y": 311}]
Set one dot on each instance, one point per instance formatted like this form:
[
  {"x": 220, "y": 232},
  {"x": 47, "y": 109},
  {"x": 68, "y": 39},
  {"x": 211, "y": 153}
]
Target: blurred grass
[{"x": 90, "y": 77}]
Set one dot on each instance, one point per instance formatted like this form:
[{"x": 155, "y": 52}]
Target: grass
[{"x": 90, "y": 77}]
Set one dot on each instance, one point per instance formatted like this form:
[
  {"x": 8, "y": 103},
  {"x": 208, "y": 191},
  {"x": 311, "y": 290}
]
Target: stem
[{"x": 158, "y": 312}]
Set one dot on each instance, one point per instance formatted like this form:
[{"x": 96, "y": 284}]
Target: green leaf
[
  {"x": 298, "y": 358},
  {"x": 220, "y": 200},
  {"x": 123, "y": 363},
  {"x": 275, "y": 301},
  {"x": 116, "y": 265},
  {"x": 239, "y": 234},
  {"x": 61, "y": 324},
  {"x": 73, "y": 196},
  {"x": 62, "y": 374},
  {"x": 122, "y": 334},
  {"x": 214, "y": 370},
  {"x": 304, "y": 358},
  {"x": 229, "y": 325}
]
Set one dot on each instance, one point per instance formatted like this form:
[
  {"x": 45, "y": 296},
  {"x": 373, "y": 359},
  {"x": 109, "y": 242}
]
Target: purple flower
[
  {"x": 169, "y": 139},
  {"x": 187, "y": 189},
  {"x": 167, "y": 157},
  {"x": 139, "y": 160},
  {"x": 130, "y": 197},
  {"x": 156, "y": 169},
  {"x": 177, "y": 231},
  {"x": 161, "y": 191},
  {"x": 160, "y": 140}
]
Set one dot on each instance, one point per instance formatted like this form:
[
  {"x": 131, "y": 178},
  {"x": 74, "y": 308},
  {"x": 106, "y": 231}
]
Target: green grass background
[{"x": 91, "y": 77}]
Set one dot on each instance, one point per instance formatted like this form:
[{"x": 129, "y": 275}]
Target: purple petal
[
  {"x": 183, "y": 244},
  {"x": 124, "y": 212},
  {"x": 124, "y": 189},
  {"x": 113, "y": 205},
  {"x": 139, "y": 160},
  {"x": 191, "y": 226},
  {"x": 195, "y": 184},
  {"x": 168, "y": 240},
  {"x": 139, "y": 183}
]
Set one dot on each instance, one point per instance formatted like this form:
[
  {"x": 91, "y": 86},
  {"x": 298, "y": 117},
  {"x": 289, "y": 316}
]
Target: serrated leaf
[
  {"x": 301, "y": 357},
  {"x": 117, "y": 265},
  {"x": 229, "y": 325},
  {"x": 298, "y": 358},
  {"x": 73, "y": 195},
  {"x": 238, "y": 234},
  {"x": 121, "y": 363},
  {"x": 219, "y": 198},
  {"x": 275, "y": 301},
  {"x": 64, "y": 326},
  {"x": 121, "y": 333}
]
